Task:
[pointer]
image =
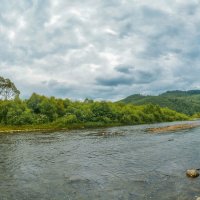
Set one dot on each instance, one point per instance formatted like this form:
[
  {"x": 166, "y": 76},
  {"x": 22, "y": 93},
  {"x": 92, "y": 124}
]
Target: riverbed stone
[
  {"x": 193, "y": 173},
  {"x": 198, "y": 198}
]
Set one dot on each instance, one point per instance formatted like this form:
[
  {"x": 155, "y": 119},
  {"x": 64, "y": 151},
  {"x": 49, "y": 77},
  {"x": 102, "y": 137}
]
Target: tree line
[{"x": 40, "y": 110}]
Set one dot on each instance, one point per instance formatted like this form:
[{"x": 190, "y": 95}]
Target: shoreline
[
  {"x": 172, "y": 128},
  {"x": 51, "y": 128}
]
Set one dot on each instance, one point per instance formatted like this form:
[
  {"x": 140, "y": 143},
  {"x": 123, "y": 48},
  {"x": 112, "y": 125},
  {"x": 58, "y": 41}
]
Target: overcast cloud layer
[{"x": 101, "y": 49}]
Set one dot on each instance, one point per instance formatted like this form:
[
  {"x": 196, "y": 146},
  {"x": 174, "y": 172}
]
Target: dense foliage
[
  {"x": 187, "y": 102},
  {"x": 38, "y": 110}
]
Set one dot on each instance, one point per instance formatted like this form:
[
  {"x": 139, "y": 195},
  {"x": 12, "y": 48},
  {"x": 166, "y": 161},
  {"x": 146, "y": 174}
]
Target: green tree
[
  {"x": 48, "y": 108},
  {"x": 8, "y": 89},
  {"x": 34, "y": 102}
]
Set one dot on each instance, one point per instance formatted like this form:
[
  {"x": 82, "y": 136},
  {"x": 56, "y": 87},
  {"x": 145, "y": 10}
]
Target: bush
[{"x": 66, "y": 120}]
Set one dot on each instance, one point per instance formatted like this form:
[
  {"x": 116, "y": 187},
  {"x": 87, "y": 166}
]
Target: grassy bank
[{"x": 53, "y": 128}]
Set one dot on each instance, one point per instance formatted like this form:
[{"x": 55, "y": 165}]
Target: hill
[{"x": 187, "y": 102}]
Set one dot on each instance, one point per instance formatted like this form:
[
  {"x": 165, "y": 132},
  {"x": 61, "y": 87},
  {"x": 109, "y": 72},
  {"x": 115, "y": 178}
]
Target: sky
[{"x": 100, "y": 49}]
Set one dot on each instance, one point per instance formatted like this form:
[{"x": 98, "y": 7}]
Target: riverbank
[
  {"x": 53, "y": 128},
  {"x": 173, "y": 128}
]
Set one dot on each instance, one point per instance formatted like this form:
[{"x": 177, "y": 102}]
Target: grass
[{"x": 53, "y": 127}]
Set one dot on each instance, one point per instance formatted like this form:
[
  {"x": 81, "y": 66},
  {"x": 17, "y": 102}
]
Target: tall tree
[{"x": 8, "y": 89}]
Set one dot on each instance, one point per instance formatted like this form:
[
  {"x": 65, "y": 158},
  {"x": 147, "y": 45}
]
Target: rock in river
[{"x": 193, "y": 173}]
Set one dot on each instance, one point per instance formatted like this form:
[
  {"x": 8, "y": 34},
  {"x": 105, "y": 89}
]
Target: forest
[
  {"x": 41, "y": 111},
  {"x": 187, "y": 102}
]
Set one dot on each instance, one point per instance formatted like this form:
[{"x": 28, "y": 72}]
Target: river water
[{"x": 114, "y": 163}]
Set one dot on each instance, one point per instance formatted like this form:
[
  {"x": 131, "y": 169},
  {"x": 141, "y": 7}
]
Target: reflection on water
[{"x": 115, "y": 163}]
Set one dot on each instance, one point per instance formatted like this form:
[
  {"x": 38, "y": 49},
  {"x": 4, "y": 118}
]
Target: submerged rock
[
  {"x": 107, "y": 133},
  {"x": 193, "y": 173}
]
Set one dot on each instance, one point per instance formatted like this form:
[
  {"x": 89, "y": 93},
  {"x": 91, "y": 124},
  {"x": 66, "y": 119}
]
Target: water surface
[{"x": 114, "y": 163}]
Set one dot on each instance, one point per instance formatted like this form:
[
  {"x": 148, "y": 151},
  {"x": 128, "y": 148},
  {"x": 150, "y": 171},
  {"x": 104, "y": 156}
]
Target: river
[{"x": 113, "y": 163}]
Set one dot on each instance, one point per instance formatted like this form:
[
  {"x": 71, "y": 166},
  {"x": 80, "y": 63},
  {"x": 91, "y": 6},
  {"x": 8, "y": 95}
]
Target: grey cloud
[
  {"x": 143, "y": 77},
  {"x": 99, "y": 49},
  {"x": 131, "y": 77},
  {"x": 124, "y": 69},
  {"x": 114, "y": 81},
  {"x": 60, "y": 89}
]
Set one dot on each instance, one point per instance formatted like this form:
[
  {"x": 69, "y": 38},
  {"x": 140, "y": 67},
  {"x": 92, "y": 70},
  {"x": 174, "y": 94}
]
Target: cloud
[
  {"x": 114, "y": 81},
  {"x": 126, "y": 69},
  {"x": 128, "y": 77},
  {"x": 100, "y": 49}
]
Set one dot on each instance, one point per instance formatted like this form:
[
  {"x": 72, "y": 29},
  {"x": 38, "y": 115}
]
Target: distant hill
[{"x": 187, "y": 102}]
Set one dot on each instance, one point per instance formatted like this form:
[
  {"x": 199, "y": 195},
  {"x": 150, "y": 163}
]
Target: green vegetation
[
  {"x": 187, "y": 102},
  {"x": 8, "y": 89},
  {"x": 50, "y": 113},
  {"x": 47, "y": 113}
]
